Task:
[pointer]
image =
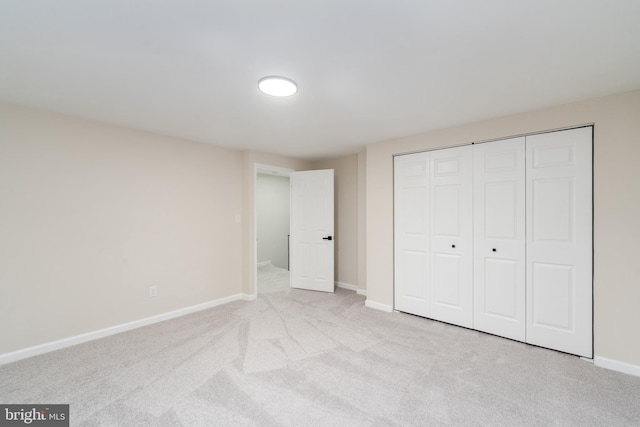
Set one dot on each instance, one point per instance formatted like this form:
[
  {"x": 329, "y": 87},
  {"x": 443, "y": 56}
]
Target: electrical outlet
[{"x": 153, "y": 291}]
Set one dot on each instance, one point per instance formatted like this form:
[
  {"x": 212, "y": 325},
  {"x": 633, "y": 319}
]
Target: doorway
[{"x": 272, "y": 222}]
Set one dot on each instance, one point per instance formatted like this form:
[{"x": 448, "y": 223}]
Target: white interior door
[
  {"x": 412, "y": 235},
  {"x": 559, "y": 240},
  {"x": 499, "y": 237},
  {"x": 451, "y": 224},
  {"x": 312, "y": 243}
]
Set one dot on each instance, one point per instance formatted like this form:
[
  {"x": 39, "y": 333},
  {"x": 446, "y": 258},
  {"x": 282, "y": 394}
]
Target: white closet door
[
  {"x": 559, "y": 240},
  {"x": 499, "y": 237},
  {"x": 411, "y": 229},
  {"x": 451, "y": 221}
]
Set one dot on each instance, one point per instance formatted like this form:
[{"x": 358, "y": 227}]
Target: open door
[{"x": 311, "y": 257}]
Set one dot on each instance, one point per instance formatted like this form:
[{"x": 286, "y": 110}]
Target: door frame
[{"x": 276, "y": 170}]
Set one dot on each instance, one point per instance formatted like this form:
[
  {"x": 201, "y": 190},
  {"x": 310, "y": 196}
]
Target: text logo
[{"x": 34, "y": 415}]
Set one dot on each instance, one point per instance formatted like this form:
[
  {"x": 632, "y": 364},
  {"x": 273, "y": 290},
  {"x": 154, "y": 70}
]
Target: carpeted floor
[
  {"x": 298, "y": 358},
  {"x": 272, "y": 279}
]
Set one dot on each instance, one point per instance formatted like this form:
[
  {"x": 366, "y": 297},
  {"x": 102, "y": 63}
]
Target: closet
[{"x": 497, "y": 237}]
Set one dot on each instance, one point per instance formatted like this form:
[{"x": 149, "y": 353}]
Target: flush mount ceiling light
[{"x": 277, "y": 86}]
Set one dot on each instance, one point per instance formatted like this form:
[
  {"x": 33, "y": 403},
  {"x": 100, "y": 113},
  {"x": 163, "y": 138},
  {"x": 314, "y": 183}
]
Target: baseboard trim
[
  {"x": 347, "y": 286},
  {"x": 616, "y": 365},
  {"x": 249, "y": 297},
  {"x": 351, "y": 287},
  {"x": 113, "y": 330},
  {"x": 263, "y": 263},
  {"x": 378, "y": 306}
]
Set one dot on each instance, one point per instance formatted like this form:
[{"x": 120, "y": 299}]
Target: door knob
[{"x": 328, "y": 238}]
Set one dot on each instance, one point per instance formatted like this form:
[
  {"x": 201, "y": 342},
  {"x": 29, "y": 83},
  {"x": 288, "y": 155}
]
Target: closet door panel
[
  {"x": 451, "y": 275},
  {"x": 559, "y": 241},
  {"x": 411, "y": 230},
  {"x": 501, "y": 299},
  {"x": 499, "y": 237},
  {"x": 448, "y": 281}
]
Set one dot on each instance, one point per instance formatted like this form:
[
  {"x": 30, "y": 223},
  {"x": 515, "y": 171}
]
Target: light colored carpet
[
  {"x": 298, "y": 358},
  {"x": 272, "y": 279}
]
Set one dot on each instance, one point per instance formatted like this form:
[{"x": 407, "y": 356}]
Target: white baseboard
[
  {"x": 351, "y": 287},
  {"x": 102, "y": 333},
  {"x": 263, "y": 263},
  {"x": 378, "y": 306},
  {"x": 347, "y": 286},
  {"x": 249, "y": 297},
  {"x": 616, "y": 365}
]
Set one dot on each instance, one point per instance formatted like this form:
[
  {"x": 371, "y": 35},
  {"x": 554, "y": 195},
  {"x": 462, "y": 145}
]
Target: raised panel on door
[
  {"x": 559, "y": 241},
  {"x": 499, "y": 237},
  {"x": 451, "y": 277},
  {"x": 411, "y": 233}
]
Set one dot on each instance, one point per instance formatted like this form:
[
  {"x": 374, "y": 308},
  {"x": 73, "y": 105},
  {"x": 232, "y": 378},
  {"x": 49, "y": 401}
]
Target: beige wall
[
  {"x": 616, "y": 210},
  {"x": 346, "y": 216},
  {"x": 92, "y": 215}
]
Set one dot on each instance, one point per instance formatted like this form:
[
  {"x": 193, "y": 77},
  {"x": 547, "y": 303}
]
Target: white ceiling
[{"x": 367, "y": 70}]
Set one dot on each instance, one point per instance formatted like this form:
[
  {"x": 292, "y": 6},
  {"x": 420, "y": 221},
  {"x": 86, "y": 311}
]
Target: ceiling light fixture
[{"x": 277, "y": 86}]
